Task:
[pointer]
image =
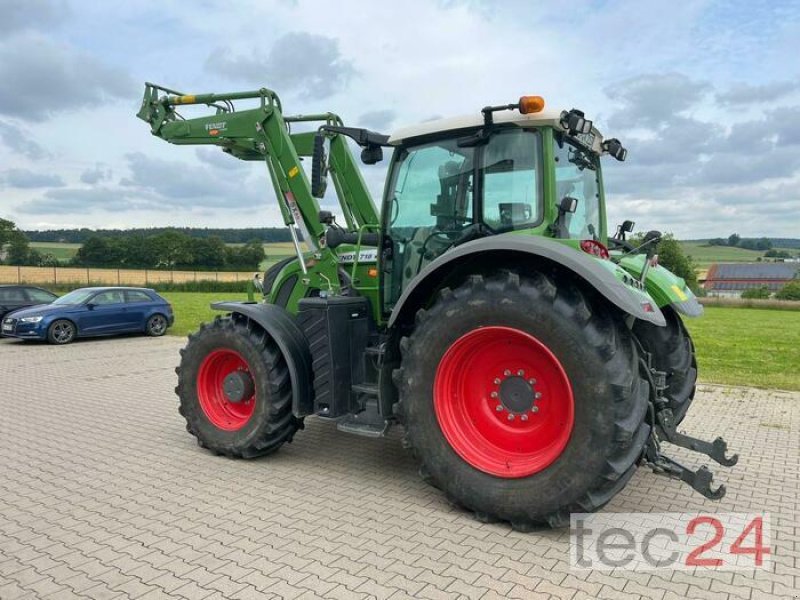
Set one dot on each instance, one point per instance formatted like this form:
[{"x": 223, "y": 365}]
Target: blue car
[{"x": 90, "y": 312}]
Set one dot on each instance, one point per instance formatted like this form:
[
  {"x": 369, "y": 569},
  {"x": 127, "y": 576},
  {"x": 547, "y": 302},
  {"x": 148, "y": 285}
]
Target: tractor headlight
[
  {"x": 614, "y": 148},
  {"x": 575, "y": 122},
  {"x": 30, "y": 319}
]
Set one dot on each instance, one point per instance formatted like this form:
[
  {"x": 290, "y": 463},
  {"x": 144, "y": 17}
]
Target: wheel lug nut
[
  {"x": 506, "y": 372},
  {"x": 497, "y": 381},
  {"x": 535, "y": 409},
  {"x": 499, "y": 408},
  {"x": 521, "y": 373},
  {"x": 493, "y": 394},
  {"x": 532, "y": 381},
  {"x": 524, "y": 417},
  {"x": 510, "y": 417},
  {"x": 537, "y": 395}
]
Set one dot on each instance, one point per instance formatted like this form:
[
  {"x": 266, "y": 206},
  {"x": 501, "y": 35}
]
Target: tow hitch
[{"x": 664, "y": 429}]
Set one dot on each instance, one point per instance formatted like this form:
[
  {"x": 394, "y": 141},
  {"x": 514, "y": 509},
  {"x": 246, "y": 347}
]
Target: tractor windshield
[{"x": 577, "y": 176}]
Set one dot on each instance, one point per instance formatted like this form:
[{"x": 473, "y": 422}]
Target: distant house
[{"x": 731, "y": 279}]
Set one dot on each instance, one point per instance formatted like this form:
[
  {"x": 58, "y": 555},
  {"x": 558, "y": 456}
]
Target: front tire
[
  {"x": 61, "y": 331},
  {"x": 672, "y": 351},
  {"x": 522, "y": 401},
  {"x": 235, "y": 391},
  {"x": 156, "y": 325}
]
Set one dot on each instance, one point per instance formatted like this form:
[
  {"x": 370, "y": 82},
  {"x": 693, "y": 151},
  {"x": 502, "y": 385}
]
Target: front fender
[
  {"x": 608, "y": 279},
  {"x": 666, "y": 288},
  {"x": 281, "y": 327}
]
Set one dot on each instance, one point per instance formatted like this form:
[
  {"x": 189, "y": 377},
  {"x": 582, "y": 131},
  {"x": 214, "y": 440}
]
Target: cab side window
[{"x": 511, "y": 180}]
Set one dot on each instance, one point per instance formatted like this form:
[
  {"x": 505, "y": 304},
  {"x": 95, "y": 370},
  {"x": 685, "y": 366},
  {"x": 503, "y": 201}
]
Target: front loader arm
[
  {"x": 263, "y": 133},
  {"x": 254, "y": 134}
]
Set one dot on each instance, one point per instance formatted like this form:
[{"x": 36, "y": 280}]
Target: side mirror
[
  {"x": 568, "y": 204},
  {"x": 651, "y": 239},
  {"x": 627, "y": 226},
  {"x": 90, "y": 305},
  {"x": 371, "y": 154},
  {"x": 319, "y": 168}
]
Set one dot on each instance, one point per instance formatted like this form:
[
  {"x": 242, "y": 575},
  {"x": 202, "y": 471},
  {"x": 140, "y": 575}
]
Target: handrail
[{"x": 361, "y": 231}]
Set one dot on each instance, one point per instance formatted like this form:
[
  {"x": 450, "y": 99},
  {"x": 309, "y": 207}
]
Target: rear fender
[
  {"x": 608, "y": 279},
  {"x": 280, "y": 325}
]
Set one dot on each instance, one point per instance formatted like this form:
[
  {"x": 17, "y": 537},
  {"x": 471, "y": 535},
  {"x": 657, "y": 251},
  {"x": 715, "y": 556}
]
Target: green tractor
[{"x": 534, "y": 360}]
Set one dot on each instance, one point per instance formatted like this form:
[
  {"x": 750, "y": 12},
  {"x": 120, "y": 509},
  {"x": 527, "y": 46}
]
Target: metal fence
[{"x": 143, "y": 277}]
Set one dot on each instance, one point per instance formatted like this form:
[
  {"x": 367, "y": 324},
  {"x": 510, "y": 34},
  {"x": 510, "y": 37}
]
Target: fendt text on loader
[{"x": 533, "y": 359}]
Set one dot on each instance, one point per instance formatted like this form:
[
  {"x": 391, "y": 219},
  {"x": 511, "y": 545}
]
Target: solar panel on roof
[{"x": 756, "y": 270}]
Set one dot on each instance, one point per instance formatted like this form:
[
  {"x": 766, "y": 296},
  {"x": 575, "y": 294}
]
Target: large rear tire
[
  {"x": 235, "y": 390},
  {"x": 522, "y": 401},
  {"x": 673, "y": 352}
]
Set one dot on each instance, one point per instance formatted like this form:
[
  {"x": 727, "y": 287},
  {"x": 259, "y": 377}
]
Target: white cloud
[
  {"x": 707, "y": 149},
  {"x": 42, "y": 77},
  {"x": 27, "y": 179}
]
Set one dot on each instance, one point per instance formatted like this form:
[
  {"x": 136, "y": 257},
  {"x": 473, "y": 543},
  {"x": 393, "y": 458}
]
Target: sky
[{"x": 705, "y": 96}]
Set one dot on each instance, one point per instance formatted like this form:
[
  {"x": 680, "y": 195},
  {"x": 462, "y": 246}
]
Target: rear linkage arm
[{"x": 664, "y": 428}]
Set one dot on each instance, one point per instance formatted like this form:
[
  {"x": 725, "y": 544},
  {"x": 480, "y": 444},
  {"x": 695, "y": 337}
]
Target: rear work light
[{"x": 594, "y": 248}]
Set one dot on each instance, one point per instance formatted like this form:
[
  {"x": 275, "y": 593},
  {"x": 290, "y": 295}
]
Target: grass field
[
  {"x": 735, "y": 346},
  {"x": 193, "y": 308},
  {"x": 62, "y": 251},
  {"x": 748, "y": 346},
  {"x": 703, "y": 255}
]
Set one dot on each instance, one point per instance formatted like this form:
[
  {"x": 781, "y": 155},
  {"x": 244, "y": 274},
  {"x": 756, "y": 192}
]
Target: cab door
[{"x": 430, "y": 203}]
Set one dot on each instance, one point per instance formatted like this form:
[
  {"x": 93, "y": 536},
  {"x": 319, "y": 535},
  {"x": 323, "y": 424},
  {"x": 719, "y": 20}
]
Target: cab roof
[{"x": 546, "y": 117}]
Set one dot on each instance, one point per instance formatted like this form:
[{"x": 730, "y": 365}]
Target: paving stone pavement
[{"x": 103, "y": 494}]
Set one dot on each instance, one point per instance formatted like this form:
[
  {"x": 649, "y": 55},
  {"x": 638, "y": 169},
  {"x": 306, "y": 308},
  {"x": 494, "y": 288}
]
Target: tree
[
  {"x": 672, "y": 257},
  {"x": 253, "y": 253},
  {"x": 756, "y": 293},
  {"x": 208, "y": 252},
  {"x": 763, "y": 244},
  {"x": 19, "y": 249},
  {"x": 755, "y": 244},
  {"x": 138, "y": 252},
  {"x": 773, "y": 253},
  {"x": 44, "y": 259},
  {"x": 791, "y": 291},
  {"x": 248, "y": 256},
  {"x": 172, "y": 248},
  {"x": 717, "y": 242},
  {"x": 7, "y": 229},
  {"x": 99, "y": 252},
  {"x": 733, "y": 240}
]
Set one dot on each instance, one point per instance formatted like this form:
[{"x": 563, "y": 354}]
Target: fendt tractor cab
[{"x": 533, "y": 360}]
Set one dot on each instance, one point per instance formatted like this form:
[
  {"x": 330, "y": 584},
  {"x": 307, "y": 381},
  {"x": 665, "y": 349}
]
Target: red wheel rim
[
  {"x": 222, "y": 412},
  {"x": 481, "y": 393}
]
